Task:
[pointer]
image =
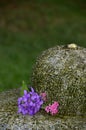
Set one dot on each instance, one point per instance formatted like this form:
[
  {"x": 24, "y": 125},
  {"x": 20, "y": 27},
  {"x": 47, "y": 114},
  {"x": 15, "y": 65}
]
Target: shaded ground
[{"x": 27, "y": 28}]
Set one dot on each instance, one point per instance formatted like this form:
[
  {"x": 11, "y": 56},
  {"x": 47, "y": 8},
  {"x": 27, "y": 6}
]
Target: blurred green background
[{"x": 29, "y": 27}]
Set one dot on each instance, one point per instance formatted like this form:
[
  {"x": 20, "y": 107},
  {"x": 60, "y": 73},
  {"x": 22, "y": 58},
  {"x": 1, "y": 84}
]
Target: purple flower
[{"x": 30, "y": 103}]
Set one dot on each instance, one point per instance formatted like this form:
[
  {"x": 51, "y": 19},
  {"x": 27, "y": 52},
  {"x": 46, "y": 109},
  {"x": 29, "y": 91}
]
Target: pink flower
[
  {"x": 44, "y": 96},
  {"x": 53, "y": 109},
  {"x": 47, "y": 109}
]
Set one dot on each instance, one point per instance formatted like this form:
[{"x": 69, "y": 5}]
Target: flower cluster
[
  {"x": 52, "y": 109},
  {"x": 30, "y": 103}
]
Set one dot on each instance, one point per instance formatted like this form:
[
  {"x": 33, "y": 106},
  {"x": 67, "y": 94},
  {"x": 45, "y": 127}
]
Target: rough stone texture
[
  {"x": 61, "y": 73},
  {"x": 10, "y": 120}
]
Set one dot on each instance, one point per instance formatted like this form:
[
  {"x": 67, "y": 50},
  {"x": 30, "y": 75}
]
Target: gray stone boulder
[
  {"x": 11, "y": 120},
  {"x": 61, "y": 73}
]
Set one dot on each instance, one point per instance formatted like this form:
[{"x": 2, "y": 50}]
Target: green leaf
[{"x": 24, "y": 87}]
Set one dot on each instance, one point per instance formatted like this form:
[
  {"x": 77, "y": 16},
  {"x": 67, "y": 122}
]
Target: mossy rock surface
[
  {"x": 61, "y": 73},
  {"x": 11, "y": 120}
]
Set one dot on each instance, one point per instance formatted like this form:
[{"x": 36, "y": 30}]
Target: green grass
[{"x": 28, "y": 28}]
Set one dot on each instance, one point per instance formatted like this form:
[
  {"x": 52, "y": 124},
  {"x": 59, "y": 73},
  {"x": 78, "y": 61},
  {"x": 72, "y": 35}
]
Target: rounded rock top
[{"x": 61, "y": 73}]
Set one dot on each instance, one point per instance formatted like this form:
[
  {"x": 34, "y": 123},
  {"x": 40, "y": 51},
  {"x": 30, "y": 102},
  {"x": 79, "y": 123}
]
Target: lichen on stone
[
  {"x": 61, "y": 73},
  {"x": 11, "y": 120}
]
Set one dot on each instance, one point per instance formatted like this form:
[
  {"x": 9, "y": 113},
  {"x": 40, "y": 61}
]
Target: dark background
[{"x": 29, "y": 27}]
